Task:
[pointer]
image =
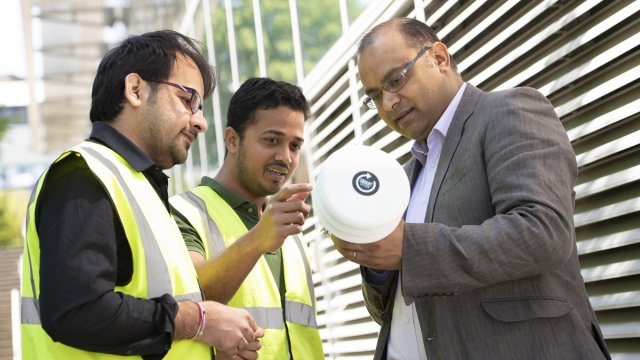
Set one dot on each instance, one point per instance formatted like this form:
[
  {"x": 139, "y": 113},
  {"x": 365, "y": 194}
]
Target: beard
[
  {"x": 161, "y": 145},
  {"x": 252, "y": 177}
]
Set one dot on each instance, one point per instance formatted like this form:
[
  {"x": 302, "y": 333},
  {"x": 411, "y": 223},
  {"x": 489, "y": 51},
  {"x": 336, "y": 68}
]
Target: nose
[
  {"x": 389, "y": 100},
  {"x": 284, "y": 154},
  {"x": 199, "y": 122}
]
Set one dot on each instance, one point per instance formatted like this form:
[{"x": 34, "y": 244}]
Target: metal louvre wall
[{"x": 584, "y": 56}]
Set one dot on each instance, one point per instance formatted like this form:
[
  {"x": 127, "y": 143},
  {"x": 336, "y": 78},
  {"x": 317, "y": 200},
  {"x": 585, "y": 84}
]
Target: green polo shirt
[{"x": 248, "y": 213}]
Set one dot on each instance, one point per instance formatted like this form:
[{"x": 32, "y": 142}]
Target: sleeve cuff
[{"x": 375, "y": 278}]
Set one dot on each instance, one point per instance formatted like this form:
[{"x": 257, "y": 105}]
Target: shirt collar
[
  {"x": 227, "y": 195},
  {"x": 107, "y": 135},
  {"x": 420, "y": 148},
  {"x": 420, "y": 151}
]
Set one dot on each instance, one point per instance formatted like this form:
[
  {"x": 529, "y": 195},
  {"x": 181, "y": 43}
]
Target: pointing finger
[{"x": 292, "y": 189}]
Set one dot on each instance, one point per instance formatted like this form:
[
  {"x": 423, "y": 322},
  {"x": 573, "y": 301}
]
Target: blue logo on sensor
[{"x": 365, "y": 183}]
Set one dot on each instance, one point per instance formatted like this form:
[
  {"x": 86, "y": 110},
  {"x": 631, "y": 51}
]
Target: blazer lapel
[{"x": 467, "y": 104}]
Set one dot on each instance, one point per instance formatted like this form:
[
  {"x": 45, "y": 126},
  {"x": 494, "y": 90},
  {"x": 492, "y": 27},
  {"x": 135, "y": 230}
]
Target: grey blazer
[{"x": 494, "y": 270}]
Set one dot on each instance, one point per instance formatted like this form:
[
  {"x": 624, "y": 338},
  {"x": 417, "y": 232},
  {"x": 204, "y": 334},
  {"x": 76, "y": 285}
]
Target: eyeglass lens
[
  {"x": 396, "y": 81},
  {"x": 195, "y": 101}
]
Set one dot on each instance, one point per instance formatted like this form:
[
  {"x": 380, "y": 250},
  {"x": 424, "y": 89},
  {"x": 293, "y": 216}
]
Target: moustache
[{"x": 279, "y": 166}]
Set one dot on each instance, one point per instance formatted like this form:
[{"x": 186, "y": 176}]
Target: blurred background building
[{"x": 583, "y": 55}]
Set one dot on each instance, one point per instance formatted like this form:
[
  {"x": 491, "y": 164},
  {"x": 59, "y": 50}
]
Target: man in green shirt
[{"x": 247, "y": 251}]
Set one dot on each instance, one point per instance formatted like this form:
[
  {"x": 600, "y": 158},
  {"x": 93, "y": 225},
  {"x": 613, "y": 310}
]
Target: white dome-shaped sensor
[{"x": 360, "y": 194}]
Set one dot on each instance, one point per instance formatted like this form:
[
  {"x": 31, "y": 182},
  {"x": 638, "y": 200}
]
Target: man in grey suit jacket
[{"x": 485, "y": 265}]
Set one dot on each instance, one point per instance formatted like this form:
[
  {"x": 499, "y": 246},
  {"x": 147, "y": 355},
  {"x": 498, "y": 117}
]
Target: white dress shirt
[{"x": 405, "y": 338}]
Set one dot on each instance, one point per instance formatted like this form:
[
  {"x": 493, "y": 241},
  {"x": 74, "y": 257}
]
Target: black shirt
[{"x": 84, "y": 254}]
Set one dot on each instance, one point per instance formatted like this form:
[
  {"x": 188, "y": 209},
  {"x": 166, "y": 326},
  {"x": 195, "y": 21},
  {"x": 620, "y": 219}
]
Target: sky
[{"x": 12, "y": 59}]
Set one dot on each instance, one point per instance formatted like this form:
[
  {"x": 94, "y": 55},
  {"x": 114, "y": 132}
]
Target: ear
[
  {"x": 231, "y": 140},
  {"x": 133, "y": 84},
  {"x": 441, "y": 54}
]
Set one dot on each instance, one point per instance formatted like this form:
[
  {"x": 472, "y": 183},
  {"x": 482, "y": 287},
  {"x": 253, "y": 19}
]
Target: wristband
[{"x": 201, "y": 323}]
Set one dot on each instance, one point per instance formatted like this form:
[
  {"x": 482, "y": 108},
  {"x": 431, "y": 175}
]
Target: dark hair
[
  {"x": 263, "y": 93},
  {"x": 416, "y": 34},
  {"x": 149, "y": 55}
]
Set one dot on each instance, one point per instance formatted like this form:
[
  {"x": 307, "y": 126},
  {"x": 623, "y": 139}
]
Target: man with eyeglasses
[
  {"x": 484, "y": 265},
  {"x": 105, "y": 269}
]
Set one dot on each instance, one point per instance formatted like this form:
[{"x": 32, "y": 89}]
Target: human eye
[
  {"x": 395, "y": 81},
  {"x": 296, "y": 147},
  {"x": 376, "y": 97},
  {"x": 271, "y": 141}
]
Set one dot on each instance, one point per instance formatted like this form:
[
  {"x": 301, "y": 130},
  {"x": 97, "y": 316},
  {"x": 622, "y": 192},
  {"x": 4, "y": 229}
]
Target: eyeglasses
[
  {"x": 394, "y": 83},
  {"x": 195, "y": 102}
]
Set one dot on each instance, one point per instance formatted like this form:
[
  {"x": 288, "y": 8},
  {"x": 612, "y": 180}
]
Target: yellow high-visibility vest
[
  {"x": 161, "y": 264},
  {"x": 219, "y": 226}
]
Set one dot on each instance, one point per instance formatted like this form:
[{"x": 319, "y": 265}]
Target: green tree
[
  {"x": 319, "y": 27},
  {"x": 5, "y": 121},
  {"x": 12, "y": 212},
  {"x": 12, "y": 208}
]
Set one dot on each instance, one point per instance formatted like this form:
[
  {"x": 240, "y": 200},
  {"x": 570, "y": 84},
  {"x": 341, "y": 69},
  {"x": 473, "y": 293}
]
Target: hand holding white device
[{"x": 360, "y": 194}]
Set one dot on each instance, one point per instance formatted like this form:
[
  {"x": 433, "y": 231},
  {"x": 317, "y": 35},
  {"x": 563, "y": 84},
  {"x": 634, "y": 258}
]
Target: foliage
[
  {"x": 13, "y": 204},
  {"x": 319, "y": 28},
  {"x": 5, "y": 121},
  {"x": 13, "y": 207},
  {"x": 4, "y": 124}
]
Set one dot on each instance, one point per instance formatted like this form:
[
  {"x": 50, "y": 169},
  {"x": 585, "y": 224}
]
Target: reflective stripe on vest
[
  {"x": 193, "y": 207},
  {"x": 271, "y": 318},
  {"x": 252, "y": 294},
  {"x": 29, "y": 307},
  {"x": 161, "y": 264}
]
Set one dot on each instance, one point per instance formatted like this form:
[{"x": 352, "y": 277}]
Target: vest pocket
[{"x": 521, "y": 309}]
